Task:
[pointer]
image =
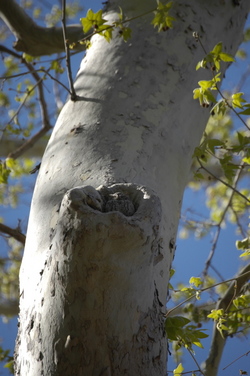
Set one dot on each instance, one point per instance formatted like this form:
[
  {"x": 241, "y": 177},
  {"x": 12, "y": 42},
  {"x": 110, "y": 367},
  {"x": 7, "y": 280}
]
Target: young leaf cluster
[
  {"x": 178, "y": 330},
  {"x": 162, "y": 19},
  {"x": 233, "y": 320},
  {"x": 99, "y": 24}
]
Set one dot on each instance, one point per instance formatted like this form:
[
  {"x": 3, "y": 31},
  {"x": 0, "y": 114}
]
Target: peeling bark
[{"x": 90, "y": 286}]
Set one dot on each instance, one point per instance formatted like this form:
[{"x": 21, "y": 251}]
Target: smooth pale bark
[{"x": 93, "y": 280}]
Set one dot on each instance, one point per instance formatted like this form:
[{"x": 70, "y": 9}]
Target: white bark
[{"x": 94, "y": 283}]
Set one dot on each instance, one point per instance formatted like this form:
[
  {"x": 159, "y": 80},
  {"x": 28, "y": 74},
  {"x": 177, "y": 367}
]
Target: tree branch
[
  {"x": 219, "y": 224},
  {"x": 14, "y": 233},
  {"x": 36, "y": 151},
  {"x": 9, "y": 307},
  {"x": 33, "y": 39},
  {"x": 43, "y": 106},
  {"x": 218, "y": 342}
]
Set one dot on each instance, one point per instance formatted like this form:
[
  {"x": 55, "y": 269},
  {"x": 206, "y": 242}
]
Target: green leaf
[
  {"x": 28, "y": 58},
  {"x": 214, "y": 57},
  {"x": 178, "y": 370},
  {"x": 245, "y": 254},
  {"x": 245, "y": 112},
  {"x": 226, "y": 57},
  {"x": 162, "y": 19},
  {"x": 242, "y": 301},
  {"x": 217, "y": 49},
  {"x": 243, "y": 244},
  {"x": 216, "y": 314},
  {"x": 92, "y": 19},
  {"x": 206, "y": 84},
  {"x": 212, "y": 143},
  {"x": 107, "y": 33},
  {"x": 241, "y": 54},
  {"x": 125, "y": 33},
  {"x": 219, "y": 108},
  {"x": 198, "y": 176},
  {"x": 196, "y": 281},
  {"x": 4, "y": 173},
  {"x": 56, "y": 66},
  {"x": 237, "y": 100}
]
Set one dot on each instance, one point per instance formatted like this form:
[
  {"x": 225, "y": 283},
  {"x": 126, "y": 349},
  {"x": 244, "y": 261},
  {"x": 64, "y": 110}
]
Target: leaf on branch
[
  {"x": 220, "y": 108},
  {"x": 196, "y": 281},
  {"x": 237, "y": 100},
  {"x": 246, "y": 111},
  {"x": 162, "y": 19},
  {"x": 214, "y": 57},
  {"x": 216, "y": 314},
  {"x": 187, "y": 335},
  {"x": 92, "y": 20},
  {"x": 204, "y": 92},
  {"x": 56, "y": 66},
  {"x": 242, "y": 301},
  {"x": 213, "y": 143},
  {"x": 4, "y": 173},
  {"x": 178, "y": 370},
  {"x": 243, "y": 245},
  {"x": 29, "y": 58}
]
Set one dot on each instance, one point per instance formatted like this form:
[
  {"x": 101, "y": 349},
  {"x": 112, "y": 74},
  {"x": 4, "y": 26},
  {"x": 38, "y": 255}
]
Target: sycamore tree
[{"x": 95, "y": 273}]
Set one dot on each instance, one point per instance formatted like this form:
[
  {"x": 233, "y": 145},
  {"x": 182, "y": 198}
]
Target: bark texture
[{"x": 106, "y": 205}]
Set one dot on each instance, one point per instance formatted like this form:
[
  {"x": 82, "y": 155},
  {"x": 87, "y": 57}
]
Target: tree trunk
[{"x": 106, "y": 205}]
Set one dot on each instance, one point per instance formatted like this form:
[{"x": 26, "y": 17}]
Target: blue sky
[{"x": 190, "y": 255}]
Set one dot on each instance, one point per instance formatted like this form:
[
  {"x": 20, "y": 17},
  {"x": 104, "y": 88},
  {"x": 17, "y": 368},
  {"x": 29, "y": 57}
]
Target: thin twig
[
  {"x": 23, "y": 102},
  {"x": 186, "y": 372},
  {"x": 55, "y": 79},
  {"x": 235, "y": 360},
  {"x": 197, "y": 37},
  {"x": 73, "y": 95},
  {"x": 217, "y": 272},
  {"x": 218, "y": 342},
  {"x": 242, "y": 276},
  {"x": 240, "y": 227},
  {"x": 197, "y": 364},
  {"x": 217, "y": 234},
  {"x": 43, "y": 106},
  {"x": 222, "y": 181}
]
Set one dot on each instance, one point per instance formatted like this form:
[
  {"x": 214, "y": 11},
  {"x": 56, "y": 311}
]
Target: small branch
[
  {"x": 197, "y": 37},
  {"x": 9, "y": 307},
  {"x": 28, "y": 144},
  {"x": 54, "y": 79},
  {"x": 66, "y": 44},
  {"x": 43, "y": 106},
  {"x": 193, "y": 357},
  {"x": 187, "y": 372},
  {"x": 222, "y": 181},
  {"x": 217, "y": 272},
  {"x": 243, "y": 275},
  {"x": 14, "y": 233},
  {"x": 235, "y": 360},
  {"x": 218, "y": 342},
  {"x": 45, "y": 119},
  {"x": 217, "y": 234},
  {"x": 10, "y": 144}
]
